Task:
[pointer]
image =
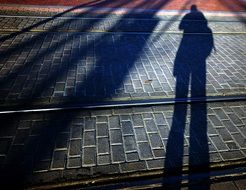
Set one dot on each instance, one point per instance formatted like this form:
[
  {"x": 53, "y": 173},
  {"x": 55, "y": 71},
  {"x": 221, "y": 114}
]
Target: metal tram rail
[{"x": 124, "y": 104}]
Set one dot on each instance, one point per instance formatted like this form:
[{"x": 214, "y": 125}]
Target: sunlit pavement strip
[
  {"x": 117, "y": 11},
  {"x": 114, "y": 10},
  {"x": 141, "y": 25}
]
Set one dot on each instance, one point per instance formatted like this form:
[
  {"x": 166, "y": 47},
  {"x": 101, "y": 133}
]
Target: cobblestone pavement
[
  {"x": 70, "y": 59},
  {"x": 92, "y": 66},
  {"x": 78, "y": 23},
  {"x": 81, "y": 144}
]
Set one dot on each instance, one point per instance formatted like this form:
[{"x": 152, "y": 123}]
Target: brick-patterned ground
[
  {"x": 115, "y": 140},
  {"x": 91, "y": 67},
  {"x": 81, "y": 65}
]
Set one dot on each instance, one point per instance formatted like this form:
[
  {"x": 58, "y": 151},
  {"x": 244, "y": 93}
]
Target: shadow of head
[{"x": 194, "y": 22}]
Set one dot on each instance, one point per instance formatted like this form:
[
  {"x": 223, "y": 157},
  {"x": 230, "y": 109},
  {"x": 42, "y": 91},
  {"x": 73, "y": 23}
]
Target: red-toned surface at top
[{"x": 205, "y": 5}]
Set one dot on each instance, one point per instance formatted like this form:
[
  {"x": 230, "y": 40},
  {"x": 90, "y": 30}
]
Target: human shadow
[{"x": 190, "y": 72}]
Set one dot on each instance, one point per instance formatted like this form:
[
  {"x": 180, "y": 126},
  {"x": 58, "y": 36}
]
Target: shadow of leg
[{"x": 175, "y": 144}]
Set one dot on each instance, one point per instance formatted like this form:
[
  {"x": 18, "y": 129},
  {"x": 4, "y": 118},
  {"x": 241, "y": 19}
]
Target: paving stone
[
  {"x": 155, "y": 140},
  {"x": 115, "y": 136},
  {"x": 114, "y": 122},
  {"x": 145, "y": 151},
  {"x": 62, "y": 140},
  {"x": 221, "y": 114},
  {"x": 214, "y": 119},
  {"x": 137, "y": 120},
  {"x": 109, "y": 169},
  {"x": 224, "y": 185},
  {"x": 215, "y": 157},
  {"x": 45, "y": 177},
  {"x": 242, "y": 130},
  {"x": 90, "y": 123},
  {"x": 150, "y": 125},
  {"x": 230, "y": 126},
  {"x": 125, "y": 118},
  {"x": 232, "y": 155},
  {"x": 137, "y": 110},
  {"x": 127, "y": 128},
  {"x": 75, "y": 147},
  {"x": 232, "y": 145},
  {"x": 218, "y": 143},
  {"x": 159, "y": 119},
  {"x": 159, "y": 153},
  {"x": 130, "y": 143},
  {"x": 123, "y": 111},
  {"x": 60, "y": 87},
  {"x": 102, "y": 130},
  {"x": 235, "y": 119},
  {"x": 43, "y": 165},
  {"x": 133, "y": 166},
  {"x": 241, "y": 141},
  {"x": 141, "y": 134},
  {"x": 101, "y": 112},
  {"x": 89, "y": 156},
  {"x": 76, "y": 173},
  {"x": 103, "y": 145},
  {"x": 76, "y": 131},
  {"x": 103, "y": 119},
  {"x": 155, "y": 164},
  {"x": 118, "y": 154},
  {"x": 132, "y": 156},
  {"x": 225, "y": 135},
  {"x": 74, "y": 162},
  {"x": 147, "y": 116},
  {"x": 164, "y": 131},
  {"x": 24, "y": 124},
  {"x": 103, "y": 159},
  {"x": 59, "y": 159},
  {"x": 239, "y": 111},
  {"x": 211, "y": 129},
  {"x": 89, "y": 138}
]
